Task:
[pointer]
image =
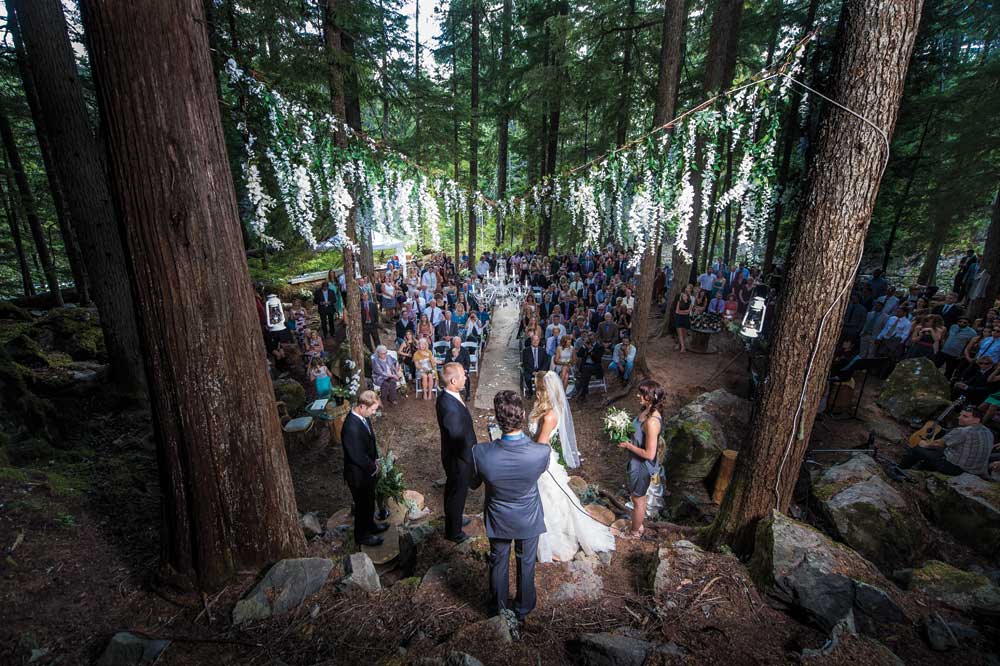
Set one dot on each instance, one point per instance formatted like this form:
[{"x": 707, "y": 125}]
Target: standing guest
[
  {"x": 329, "y": 304},
  {"x": 386, "y": 374},
  {"x": 990, "y": 344},
  {"x": 562, "y": 360},
  {"x": 854, "y": 319},
  {"x": 878, "y": 283},
  {"x": 897, "y": 331},
  {"x": 642, "y": 451},
  {"x": 718, "y": 284},
  {"x": 745, "y": 294},
  {"x": 533, "y": 359},
  {"x": 407, "y": 348},
  {"x": 875, "y": 321},
  {"x": 950, "y": 311},
  {"x": 510, "y": 469},
  {"x": 925, "y": 338},
  {"x": 951, "y": 353},
  {"x": 424, "y": 364},
  {"x": 890, "y": 300},
  {"x": 388, "y": 295},
  {"x": 314, "y": 345},
  {"x": 682, "y": 317},
  {"x": 361, "y": 468},
  {"x": 962, "y": 449},
  {"x": 458, "y": 436},
  {"x": 369, "y": 322},
  {"x": 424, "y": 328},
  {"x": 607, "y": 332},
  {"x": 623, "y": 359},
  {"x": 705, "y": 281},
  {"x": 433, "y": 312},
  {"x": 404, "y": 324}
]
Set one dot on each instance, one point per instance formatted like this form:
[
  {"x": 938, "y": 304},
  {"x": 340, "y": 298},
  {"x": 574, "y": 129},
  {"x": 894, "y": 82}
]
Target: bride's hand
[{"x": 623, "y": 445}]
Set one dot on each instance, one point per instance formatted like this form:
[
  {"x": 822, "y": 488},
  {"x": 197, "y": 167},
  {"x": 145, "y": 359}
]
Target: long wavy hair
[{"x": 543, "y": 403}]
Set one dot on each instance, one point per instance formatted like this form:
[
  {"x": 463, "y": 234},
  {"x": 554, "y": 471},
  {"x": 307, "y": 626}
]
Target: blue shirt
[{"x": 989, "y": 347}]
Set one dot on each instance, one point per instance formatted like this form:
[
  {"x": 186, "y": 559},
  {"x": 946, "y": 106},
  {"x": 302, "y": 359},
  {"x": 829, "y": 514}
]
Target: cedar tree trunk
[{"x": 990, "y": 262}]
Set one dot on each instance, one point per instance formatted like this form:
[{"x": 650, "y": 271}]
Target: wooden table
[{"x": 698, "y": 341}]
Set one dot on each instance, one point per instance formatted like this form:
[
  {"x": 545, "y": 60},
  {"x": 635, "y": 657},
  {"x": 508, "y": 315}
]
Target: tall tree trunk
[
  {"x": 338, "y": 78},
  {"x": 940, "y": 226},
  {"x": 789, "y": 139},
  {"x": 555, "y": 58},
  {"x": 720, "y": 66},
  {"x": 82, "y": 172},
  {"x": 473, "y": 133},
  {"x": 228, "y": 498},
  {"x": 503, "y": 119},
  {"x": 667, "y": 85},
  {"x": 14, "y": 221},
  {"x": 454, "y": 136},
  {"x": 352, "y": 115},
  {"x": 28, "y": 205},
  {"x": 844, "y": 176},
  {"x": 905, "y": 197},
  {"x": 989, "y": 261},
  {"x": 625, "y": 98},
  {"x": 70, "y": 244}
]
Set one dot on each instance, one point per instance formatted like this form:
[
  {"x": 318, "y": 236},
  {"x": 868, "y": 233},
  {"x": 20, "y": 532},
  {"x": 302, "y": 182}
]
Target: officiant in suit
[
  {"x": 510, "y": 468},
  {"x": 533, "y": 359},
  {"x": 361, "y": 468},
  {"x": 458, "y": 436}
]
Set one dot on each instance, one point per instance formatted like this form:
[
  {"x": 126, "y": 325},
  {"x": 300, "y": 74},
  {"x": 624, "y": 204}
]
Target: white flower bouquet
[{"x": 618, "y": 425}]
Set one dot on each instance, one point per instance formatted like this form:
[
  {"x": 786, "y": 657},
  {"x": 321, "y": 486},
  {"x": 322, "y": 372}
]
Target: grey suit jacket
[{"x": 510, "y": 470}]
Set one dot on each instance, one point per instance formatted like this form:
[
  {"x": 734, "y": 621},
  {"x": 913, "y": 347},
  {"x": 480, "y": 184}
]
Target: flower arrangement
[
  {"x": 618, "y": 425},
  {"x": 390, "y": 483},
  {"x": 557, "y": 447}
]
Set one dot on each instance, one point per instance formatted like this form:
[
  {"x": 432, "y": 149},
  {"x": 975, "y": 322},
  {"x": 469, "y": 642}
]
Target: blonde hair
[
  {"x": 367, "y": 398},
  {"x": 543, "y": 402}
]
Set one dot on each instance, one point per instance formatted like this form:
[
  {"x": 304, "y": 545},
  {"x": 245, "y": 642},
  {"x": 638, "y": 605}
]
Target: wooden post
[{"x": 727, "y": 465}]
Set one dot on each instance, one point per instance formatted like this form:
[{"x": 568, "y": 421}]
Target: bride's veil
[{"x": 567, "y": 433}]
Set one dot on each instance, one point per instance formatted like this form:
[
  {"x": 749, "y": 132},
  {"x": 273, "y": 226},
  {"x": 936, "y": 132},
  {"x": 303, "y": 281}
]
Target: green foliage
[{"x": 390, "y": 483}]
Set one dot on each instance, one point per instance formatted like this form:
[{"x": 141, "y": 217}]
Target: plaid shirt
[{"x": 969, "y": 448}]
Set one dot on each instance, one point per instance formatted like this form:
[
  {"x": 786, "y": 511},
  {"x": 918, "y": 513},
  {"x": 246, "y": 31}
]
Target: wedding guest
[
  {"x": 369, "y": 322},
  {"x": 423, "y": 362},
  {"x": 717, "y": 305},
  {"x": 642, "y": 451},
  {"x": 562, "y": 359},
  {"x": 321, "y": 378},
  {"x": 405, "y": 323},
  {"x": 361, "y": 468},
  {"x": 533, "y": 359},
  {"x": 388, "y": 295},
  {"x": 682, "y": 317},
  {"x": 590, "y": 355},
  {"x": 407, "y": 348},
  {"x": 962, "y": 449},
  {"x": 700, "y": 303},
  {"x": 459, "y": 354},
  {"x": 330, "y": 305},
  {"x": 425, "y": 331},
  {"x": 950, "y": 354},
  {"x": 731, "y": 307},
  {"x": 622, "y": 359},
  {"x": 607, "y": 332},
  {"x": 473, "y": 329},
  {"x": 386, "y": 374}
]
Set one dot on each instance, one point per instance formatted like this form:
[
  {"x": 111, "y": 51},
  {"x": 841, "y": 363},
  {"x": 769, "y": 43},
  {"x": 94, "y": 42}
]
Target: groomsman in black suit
[
  {"x": 533, "y": 359},
  {"x": 361, "y": 468},
  {"x": 951, "y": 311},
  {"x": 369, "y": 323},
  {"x": 458, "y": 436}
]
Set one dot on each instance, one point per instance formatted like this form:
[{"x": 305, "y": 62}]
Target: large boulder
[
  {"x": 964, "y": 591},
  {"x": 615, "y": 650},
  {"x": 292, "y": 394},
  {"x": 696, "y": 436},
  {"x": 585, "y": 583},
  {"x": 968, "y": 508},
  {"x": 26, "y": 351},
  {"x": 868, "y": 514},
  {"x": 800, "y": 569},
  {"x": 128, "y": 649},
  {"x": 285, "y": 586},
  {"x": 75, "y": 331},
  {"x": 915, "y": 389}
]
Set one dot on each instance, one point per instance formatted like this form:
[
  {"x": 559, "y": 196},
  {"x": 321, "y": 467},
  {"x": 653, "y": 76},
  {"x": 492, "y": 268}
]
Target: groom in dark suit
[
  {"x": 458, "y": 436},
  {"x": 510, "y": 468}
]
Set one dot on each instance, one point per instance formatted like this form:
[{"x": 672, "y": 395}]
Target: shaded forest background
[{"x": 595, "y": 65}]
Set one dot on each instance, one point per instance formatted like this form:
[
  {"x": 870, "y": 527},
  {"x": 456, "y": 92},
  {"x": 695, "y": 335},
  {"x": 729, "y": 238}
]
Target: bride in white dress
[{"x": 568, "y": 528}]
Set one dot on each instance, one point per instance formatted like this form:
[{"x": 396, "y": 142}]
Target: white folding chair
[{"x": 473, "y": 349}]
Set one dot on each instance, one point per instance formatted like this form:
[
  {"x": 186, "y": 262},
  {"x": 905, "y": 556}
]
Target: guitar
[{"x": 931, "y": 430}]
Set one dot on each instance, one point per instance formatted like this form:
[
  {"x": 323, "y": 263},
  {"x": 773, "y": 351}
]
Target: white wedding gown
[{"x": 568, "y": 528}]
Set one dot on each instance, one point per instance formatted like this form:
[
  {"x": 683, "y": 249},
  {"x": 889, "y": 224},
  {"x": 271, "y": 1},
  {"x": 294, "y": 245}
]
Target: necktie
[{"x": 534, "y": 352}]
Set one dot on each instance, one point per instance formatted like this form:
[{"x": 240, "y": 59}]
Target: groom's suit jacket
[{"x": 510, "y": 469}]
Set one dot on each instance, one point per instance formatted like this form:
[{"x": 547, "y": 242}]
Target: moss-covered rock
[
  {"x": 966, "y": 591},
  {"x": 18, "y": 400},
  {"x": 697, "y": 435},
  {"x": 10, "y": 311},
  {"x": 868, "y": 514},
  {"x": 292, "y": 394},
  {"x": 968, "y": 508},
  {"x": 26, "y": 351},
  {"x": 915, "y": 389},
  {"x": 30, "y": 451},
  {"x": 76, "y": 331}
]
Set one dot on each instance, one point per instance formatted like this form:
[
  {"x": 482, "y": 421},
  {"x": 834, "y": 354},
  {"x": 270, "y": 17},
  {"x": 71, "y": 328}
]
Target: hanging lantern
[
  {"x": 753, "y": 320},
  {"x": 275, "y": 314}
]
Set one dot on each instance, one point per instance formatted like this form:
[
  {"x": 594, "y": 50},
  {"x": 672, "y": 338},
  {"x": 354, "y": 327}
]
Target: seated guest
[
  {"x": 562, "y": 359},
  {"x": 533, "y": 359},
  {"x": 717, "y": 305},
  {"x": 407, "y": 348},
  {"x": 446, "y": 328},
  {"x": 731, "y": 308},
  {"x": 460, "y": 316},
  {"x": 459, "y": 354},
  {"x": 607, "y": 332},
  {"x": 473, "y": 329},
  {"x": 589, "y": 355},
  {"x": 974, "y": 383},
  {"x": 700, "y": 303},
  {"x": 962, "y": 449},
  {"x": 990, "y": 344},
  {"x": 622, "y": 359},
  {"x": 426, "y": 368},
  {"x": 386, "y": 373},
  {"x": 314, "y": 344},
  {"x": 951, "y": 352},
  {"x": 321, "y": 378},
  {"x": 844, "y": 360}
]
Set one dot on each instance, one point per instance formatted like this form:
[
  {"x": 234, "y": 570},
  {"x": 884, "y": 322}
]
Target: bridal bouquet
[{"x": 618, "y": 425}]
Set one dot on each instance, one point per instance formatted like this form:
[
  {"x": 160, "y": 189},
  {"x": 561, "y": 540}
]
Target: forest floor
[{"x": 86, "y": 535}]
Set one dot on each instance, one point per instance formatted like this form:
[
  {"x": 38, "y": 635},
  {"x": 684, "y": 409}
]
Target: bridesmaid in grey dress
[{"x": 642, "y": 451}]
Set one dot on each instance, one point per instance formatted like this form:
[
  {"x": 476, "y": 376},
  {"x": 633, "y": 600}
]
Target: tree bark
[
  {"x": 70, "y": 244},
  {"x": 14, "y": 221},
  {"x": 720, "y": 66},
  {"x": 28, "y": 205},
  {"x": 503, "y": 119},
  {"x": 843, "y": 181},
  {"x": 940, "y": 226},
  {"x": 333, "y": 43},
  {"x": 625, "y": 99},
  {"x": 82, "y": 173},
  {"x": 473, "y": 133},
  {"x": 989, "y": 262},
  {"x": 228, "y": 498}
]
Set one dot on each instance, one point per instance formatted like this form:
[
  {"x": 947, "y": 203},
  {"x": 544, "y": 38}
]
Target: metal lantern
[
  {"x": 275, "y": 314},
  {"x": 753, "y": 320}
]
